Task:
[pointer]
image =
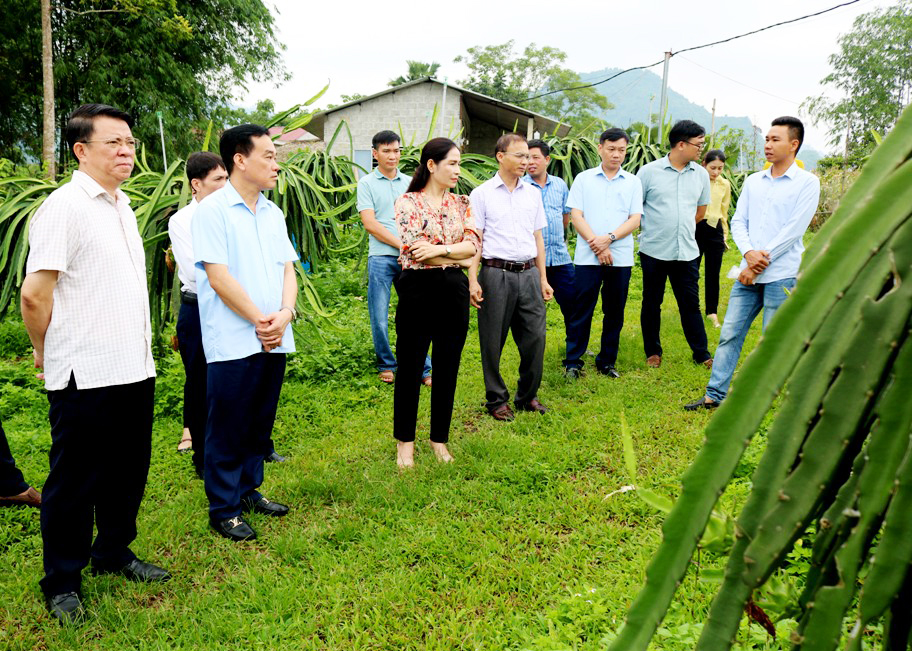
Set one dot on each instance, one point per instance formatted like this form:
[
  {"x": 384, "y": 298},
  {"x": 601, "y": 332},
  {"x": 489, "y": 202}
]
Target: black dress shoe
[
  {"x": 235, "y": 529},
  {"x": 610, "y": 371},
  {"x": 275, "y": 457},
  {"x": 66, "y": 608},
  {"x": 264, "y": 506},
  {"x": 137, "y": 570},
  {"x": 702, "y": 403},
  {"x": 532, "y": 405},
  {"x": 573, "y": 373}
]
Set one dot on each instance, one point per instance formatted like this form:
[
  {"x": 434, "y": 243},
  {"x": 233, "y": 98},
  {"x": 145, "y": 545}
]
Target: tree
[
  {"x": 181, "y": 57},
  {"x": 497, "y": 71},
  {"x": 873, "y": 72},
  {"x": 416, "y": 70}
]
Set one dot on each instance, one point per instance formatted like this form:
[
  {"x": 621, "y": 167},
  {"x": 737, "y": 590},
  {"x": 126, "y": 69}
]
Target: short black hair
[
  {"x": 504, "y": 142},
  {"x": 684, "y": 130},
  {"x": 612, "y": 135},
  {"x": 542, "y": 146},
  {"x": 200, "y": 163},
  {"x": 714, "y": 154},
  {"x": 239, "y": 140},
  {"x": 385, "y": 138},
  {"x": 795, "y": 128},
  {"x": 81, "y": 123}
]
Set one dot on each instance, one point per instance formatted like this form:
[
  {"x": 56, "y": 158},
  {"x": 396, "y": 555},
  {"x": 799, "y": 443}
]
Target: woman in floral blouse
[{"x": 438, "y": 242}]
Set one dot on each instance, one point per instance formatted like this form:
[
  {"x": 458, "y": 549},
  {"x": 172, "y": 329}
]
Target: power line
[
  {"x": 691, "y": 49},
  {"x": 741, "y": 83}
]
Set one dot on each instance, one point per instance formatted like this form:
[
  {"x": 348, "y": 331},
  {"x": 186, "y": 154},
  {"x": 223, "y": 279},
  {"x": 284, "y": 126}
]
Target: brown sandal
[
  {"x": 188, "y": 439},
  {"x": 387, "y": 377}
]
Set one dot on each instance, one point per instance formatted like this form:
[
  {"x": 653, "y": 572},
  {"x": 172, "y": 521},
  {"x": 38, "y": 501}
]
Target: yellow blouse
[{"x": 719, "y": 200}]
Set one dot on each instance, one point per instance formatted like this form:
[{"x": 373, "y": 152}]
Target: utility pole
[
  {"x": 712, "y": 127},
  {"x": 664, "y": 99},
  {"x": 649, "y": 121},
  {"x": 48, "y": 126}
]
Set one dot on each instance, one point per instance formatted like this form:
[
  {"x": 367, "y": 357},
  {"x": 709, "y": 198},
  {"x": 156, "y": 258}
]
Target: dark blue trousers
[
  {"x": 11, "y": 480},
  {"x": 614, "y": 283},
  {"x": 561, "y": 279},
  {"x": 243, "y": 395},
  {"x": 190, "y": 342},
  {"x": 101, "y": 442}
]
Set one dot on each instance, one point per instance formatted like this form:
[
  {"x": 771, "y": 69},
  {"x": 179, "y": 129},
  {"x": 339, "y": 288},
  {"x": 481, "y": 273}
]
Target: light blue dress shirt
[
  {"x": 255, "y": 247},
  {"x": 772, "y": 215},
  {"x": 554, "y": 197},
  {"x": 606, "y": 204},
  {"x": 670, "y": 201},
  {"x": 378, "y": 193}
]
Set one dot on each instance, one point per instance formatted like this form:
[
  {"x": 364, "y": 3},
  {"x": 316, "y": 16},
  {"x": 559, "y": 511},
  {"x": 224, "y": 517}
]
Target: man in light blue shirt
[
  {"x": 675, "y": 195},
  {"x": 377, "y": 194},
  {"x": 554, "y": 191},
  {"x": 774, "y": 210},
  {"x": 247, "y": 291},
  {"x": 605, "y": 204}
]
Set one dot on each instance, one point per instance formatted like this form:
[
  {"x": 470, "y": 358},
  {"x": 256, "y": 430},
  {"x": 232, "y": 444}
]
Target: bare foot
[
  {"x": 186, "y": 442},
  {"x": 387, "y": 377},
  {"x": 441, "y": 452},
  {"x": 714, "y": 319},
  {"x": 405, "y": 454}
]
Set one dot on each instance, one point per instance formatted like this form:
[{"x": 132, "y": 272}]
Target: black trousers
[
  {"x": 684, "y": 276},
  {"x": 101, "y": 441},
  {"x": 190, "y": 342},
  {"x": 433, "y": 309},
  {"x": 614, "y": 283},
  {"x": 712, "y": 247},
  {"x": 243, "y": 395},
  {"x": 11, "y": 480}
]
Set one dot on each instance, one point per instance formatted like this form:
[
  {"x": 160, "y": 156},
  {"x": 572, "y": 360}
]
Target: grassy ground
[{"x": 514, "y": 546}]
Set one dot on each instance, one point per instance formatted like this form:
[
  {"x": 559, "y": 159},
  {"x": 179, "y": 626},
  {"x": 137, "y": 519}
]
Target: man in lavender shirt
[{"x": 511, "y": 289}]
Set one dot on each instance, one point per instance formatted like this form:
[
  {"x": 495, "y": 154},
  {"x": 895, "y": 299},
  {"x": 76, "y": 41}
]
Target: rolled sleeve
[
  {"x": 210, "y": 239},
  {"x": 51, "y": 239}
]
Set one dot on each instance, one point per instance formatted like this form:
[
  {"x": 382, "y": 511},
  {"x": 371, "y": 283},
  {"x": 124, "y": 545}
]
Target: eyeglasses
[
  {"x": 698, "y": 145},
  {"x": 115, "y": 143},
  {"x": 518, "y": 155}
]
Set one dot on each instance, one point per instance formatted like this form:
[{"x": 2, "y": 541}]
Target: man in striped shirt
[{"x": 554, "y": 191}]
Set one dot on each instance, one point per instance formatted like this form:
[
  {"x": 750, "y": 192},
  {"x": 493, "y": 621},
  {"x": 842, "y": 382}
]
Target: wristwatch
[
  {"x": 294, "y": 312},
  {"x": 448, "y": 251},
  {"x": 612, "y": 237}
]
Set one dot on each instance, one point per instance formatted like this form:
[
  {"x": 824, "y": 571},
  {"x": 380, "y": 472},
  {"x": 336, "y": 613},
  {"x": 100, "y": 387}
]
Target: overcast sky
[{"x": 360, "y": 45}]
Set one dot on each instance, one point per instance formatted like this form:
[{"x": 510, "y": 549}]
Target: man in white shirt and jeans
[
  {"x": 86, "y": 308},
  {"x": 774, "y": 210},
  {"x": 206, "y": 173}
]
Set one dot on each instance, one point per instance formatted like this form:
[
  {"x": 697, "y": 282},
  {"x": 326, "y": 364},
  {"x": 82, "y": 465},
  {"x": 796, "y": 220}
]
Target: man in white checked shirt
[{"x": 86, "y": 308}]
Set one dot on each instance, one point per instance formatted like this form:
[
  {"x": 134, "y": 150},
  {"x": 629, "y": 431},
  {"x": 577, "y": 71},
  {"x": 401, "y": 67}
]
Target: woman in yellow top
[{"x": 712, "y": 231}]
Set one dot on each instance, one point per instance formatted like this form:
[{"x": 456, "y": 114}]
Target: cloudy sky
[{"x": 359, "y": 45}]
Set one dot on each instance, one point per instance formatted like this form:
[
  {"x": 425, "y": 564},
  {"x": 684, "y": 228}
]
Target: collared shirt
[
  {"x": 606, "y": 204},
  {"x": 772, "y": 215},
  {"x": 554, "y": 197},
  {"x": 182, "y": 245},
  {"x": 720, "y": 194},
  {"x": 100, "y": 328},
  {"x": 508, "y": 219},
  {"x": 670, "y": 201},
  {"x": 378, "y": 193},
  {"x": 255, "y": 247},
  {"x": 452, "y": 223}
]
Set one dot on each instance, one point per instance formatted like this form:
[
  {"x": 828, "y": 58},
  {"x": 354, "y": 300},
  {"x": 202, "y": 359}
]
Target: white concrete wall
[{"x": 407, "y": 112}]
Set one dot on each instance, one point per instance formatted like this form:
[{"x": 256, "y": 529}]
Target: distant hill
[{"x": 630, "y": 95}]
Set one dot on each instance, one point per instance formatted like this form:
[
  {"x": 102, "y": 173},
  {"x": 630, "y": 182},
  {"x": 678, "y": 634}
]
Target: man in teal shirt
[
  {"x": 675, "y": 195},
  {"x": 377, "y": 194}
]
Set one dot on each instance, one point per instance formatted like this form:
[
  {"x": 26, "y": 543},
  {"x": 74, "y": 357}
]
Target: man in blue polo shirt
[
  {"x": 377, "y": 193},
  {"x": 605, "y": 204},
  {"x": 247, "y": 291},
  {"x": 554, "y": 191},
  {"x": 675, "y": 195}
]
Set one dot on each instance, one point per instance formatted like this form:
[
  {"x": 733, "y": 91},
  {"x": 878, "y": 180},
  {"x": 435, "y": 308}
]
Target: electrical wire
[
  {"x": 691, "y": 49},
  {"x": 740, "y": 83}
]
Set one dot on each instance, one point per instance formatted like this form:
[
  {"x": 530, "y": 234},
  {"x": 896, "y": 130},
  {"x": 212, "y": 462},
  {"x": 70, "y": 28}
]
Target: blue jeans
[
  {"x": 744, "y": 305},
  {"x": 382, "y": 273}
]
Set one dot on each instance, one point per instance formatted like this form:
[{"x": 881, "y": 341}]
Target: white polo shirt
[{"x": 100, "y": 328}]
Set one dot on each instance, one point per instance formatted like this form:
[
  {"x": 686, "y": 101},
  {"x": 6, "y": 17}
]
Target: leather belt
[
  {"x": 188, "y": 298},
  {"x": 507, "y": 265}
]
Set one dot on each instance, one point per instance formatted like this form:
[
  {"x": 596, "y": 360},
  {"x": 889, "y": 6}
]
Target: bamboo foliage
[{"x": 838, "y": 453}]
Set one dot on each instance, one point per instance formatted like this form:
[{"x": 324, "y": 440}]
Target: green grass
[{"x": 514, "y": 546}]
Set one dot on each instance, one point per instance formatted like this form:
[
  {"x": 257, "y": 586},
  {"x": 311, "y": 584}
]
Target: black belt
[
  {"x": 188, "y": 298},
  {"x": 507, "y": 265}
]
